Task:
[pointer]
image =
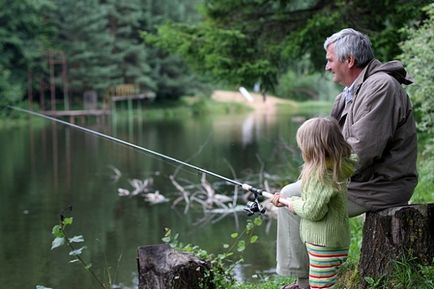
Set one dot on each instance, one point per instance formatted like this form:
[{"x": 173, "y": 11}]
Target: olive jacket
[{"x": 378, "y": 123}]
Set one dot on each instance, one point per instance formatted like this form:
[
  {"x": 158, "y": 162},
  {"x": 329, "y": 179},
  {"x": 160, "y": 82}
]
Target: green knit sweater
[{"x": 324, "y": 215}]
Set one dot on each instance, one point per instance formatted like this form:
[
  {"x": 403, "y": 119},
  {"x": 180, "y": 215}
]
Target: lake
[{"x": 50, "y": 167}]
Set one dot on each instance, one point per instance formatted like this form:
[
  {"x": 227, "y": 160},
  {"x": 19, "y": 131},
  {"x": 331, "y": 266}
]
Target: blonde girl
[{"x": 322, "y": 207}]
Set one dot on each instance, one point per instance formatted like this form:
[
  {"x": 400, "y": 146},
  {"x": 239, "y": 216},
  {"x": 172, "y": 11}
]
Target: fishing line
[{"x": 246, "y": 187}]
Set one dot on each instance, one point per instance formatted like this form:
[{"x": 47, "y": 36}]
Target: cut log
[
  {"x": 162, "y": 267},
  {"x": 393, "y": 233}
]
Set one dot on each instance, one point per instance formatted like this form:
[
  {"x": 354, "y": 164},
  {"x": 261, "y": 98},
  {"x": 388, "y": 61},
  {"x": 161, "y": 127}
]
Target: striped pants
[{"x": 323, "y": 265}]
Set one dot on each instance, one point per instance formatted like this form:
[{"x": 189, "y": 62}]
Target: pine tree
[
  {"x": 129, "y": 53},
  {"x": 172, "y": 76},
  {"x": 24, "y": 36},
  {"x": 85, "y": 37}
]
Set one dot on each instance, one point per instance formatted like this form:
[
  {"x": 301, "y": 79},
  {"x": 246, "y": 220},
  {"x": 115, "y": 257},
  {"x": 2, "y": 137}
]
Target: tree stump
[
  {"x": 162, "y": 267},
  {"x": 393, "y": 233}
]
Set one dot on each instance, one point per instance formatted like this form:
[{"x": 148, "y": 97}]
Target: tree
[
  {"x": 418, "y": 55},
  {"x": 170, "y": 73},
  {"x": 129, "y": 54},
  {"x": 85, "y": 37},
  {"x": 23, "y": 38},
  {"x": 243, "y": 42}
]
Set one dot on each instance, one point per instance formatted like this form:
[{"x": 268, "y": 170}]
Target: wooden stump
[
  {"x": 162, "y": 267},
  {"x": 395, "y": 232}
]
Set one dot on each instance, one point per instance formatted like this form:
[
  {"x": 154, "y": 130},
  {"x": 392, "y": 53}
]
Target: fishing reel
[{"x": 254, "y": 206}]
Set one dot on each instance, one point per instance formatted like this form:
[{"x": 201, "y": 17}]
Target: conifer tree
[
  {"x": 129, "y": 53},
  {"x": 23, "y": 38},
  {"x": 172, "y": 76},
  {"x": 85, "y": 37}
]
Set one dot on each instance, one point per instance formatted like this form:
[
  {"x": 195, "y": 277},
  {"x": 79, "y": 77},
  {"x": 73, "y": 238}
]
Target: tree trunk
[
  {"x": 161, "y": 267},
  {"x": 393, "y": 233}
]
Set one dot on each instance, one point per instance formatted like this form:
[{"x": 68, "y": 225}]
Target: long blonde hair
[{"x": 325, "y": 152}]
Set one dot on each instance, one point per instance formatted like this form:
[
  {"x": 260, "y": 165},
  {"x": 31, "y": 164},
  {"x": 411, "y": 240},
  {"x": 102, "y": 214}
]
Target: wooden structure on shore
[
  {"x": 80, "y": 114},
  {"x": 119, "y": 93}
]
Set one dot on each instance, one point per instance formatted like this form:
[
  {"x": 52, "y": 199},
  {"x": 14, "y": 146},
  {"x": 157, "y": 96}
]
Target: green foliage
[
  {"x": 23, "y": 37},
  {"x": 87, "y": 43},
  {"x": 306, "y": 86},
  {"x": 418, "y": 55},
  {"x": 224, "y": 54},
  {"x": 407, "y": 273},
  {"x": 266, "y": 283},
  {"x": 244, "y": 42},
  {"x": 424, "y": 192},
  {"x": 103, "y": 49},
  {"x": 222, "y": 264},
  {"x": 61, "y": 238},
  {"x": 128, "y": 52}
]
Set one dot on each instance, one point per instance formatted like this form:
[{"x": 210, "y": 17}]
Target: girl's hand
[
  {"x": 290, "y": 207},
  {"x": 275, "y": 201}
]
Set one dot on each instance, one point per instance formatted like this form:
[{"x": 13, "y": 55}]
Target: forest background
[{"x": 180, "y": 48}]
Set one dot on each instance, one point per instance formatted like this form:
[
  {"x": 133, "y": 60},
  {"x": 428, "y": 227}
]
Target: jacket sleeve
[
  {"x": 374, "y": 120},
  {"x": 313, "y": 205}
]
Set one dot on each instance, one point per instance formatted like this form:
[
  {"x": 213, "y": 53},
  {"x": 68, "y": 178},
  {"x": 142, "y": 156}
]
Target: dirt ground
[{"x": 258, "y": 104}]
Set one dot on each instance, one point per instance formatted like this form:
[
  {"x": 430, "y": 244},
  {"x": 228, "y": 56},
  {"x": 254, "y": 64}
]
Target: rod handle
[{"x": 264, "y": 193}]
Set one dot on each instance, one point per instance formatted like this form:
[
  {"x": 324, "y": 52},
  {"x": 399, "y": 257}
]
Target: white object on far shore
[{"x": 246, "y": 94}]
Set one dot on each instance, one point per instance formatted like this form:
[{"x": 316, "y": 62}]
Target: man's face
[{"x": 340, "y": 70}]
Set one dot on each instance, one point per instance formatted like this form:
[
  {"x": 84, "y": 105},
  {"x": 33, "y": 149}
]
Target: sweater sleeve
[{"x": 313, "y": 205}]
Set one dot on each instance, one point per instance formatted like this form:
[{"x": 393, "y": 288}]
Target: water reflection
[{"x": 47, "y": 168}]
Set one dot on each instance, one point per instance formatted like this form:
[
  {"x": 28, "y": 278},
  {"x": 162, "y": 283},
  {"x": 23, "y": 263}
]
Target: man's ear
[{"x": 351, "y": 62}]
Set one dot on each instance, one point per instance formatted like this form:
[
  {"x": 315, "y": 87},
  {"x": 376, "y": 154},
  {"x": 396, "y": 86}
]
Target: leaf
[
  {"x": 57, "y": 231},
  {"x": 76, "y": 239},
  {"x": 88, "y": 266},
  {"x": 67, "y": 221},
  {"x": 77, "y": 252},
  {"x": 57, "y": 242},
  {"x": 253, "y": 239},
  {"x": 41, "y": 287},
  {"x": 165, "y": 239},
  {"x": 257, "y": 221},
  {"x": 74, "y": 261},
  {"x": 241, "y": 246},
  {"x": 234, "y": 235},
  {"x": 369, "y": 280},
  {"x": 225, "y": 246}
]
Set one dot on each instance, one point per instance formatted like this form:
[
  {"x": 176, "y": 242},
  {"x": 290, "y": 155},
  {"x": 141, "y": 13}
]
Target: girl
[{"x": 322, "y": 207}]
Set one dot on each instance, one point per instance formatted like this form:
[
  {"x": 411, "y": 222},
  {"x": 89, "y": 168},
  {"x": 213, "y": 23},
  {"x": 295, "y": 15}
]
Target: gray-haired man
[{"x": 376, "y": 118}]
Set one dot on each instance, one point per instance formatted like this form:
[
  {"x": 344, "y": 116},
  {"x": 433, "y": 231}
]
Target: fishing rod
[{"x": 251, "y": 208}]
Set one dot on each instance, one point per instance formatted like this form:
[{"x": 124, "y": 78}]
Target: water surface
[{"x": 45, "y": 169}]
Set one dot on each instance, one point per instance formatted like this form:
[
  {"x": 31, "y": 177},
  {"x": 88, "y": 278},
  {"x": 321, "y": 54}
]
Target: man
[{"x": 376, "y": 119}]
